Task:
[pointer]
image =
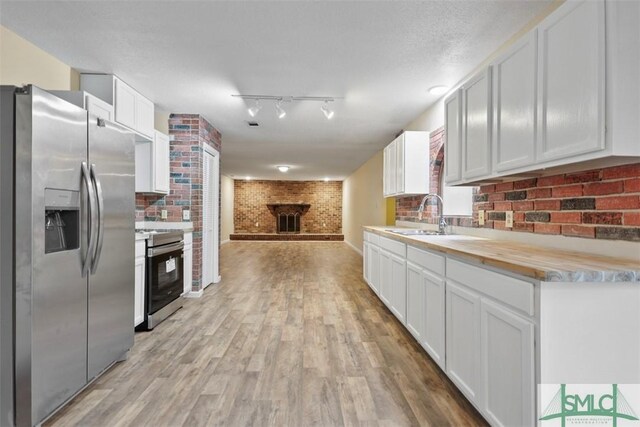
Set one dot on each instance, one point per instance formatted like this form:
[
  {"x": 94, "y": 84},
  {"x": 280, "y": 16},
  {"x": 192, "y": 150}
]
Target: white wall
[{"x": 226, "y": 207}]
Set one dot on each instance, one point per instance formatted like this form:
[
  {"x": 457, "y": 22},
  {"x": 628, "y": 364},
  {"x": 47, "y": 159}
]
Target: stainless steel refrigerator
[{"x": 67, "y": 251}]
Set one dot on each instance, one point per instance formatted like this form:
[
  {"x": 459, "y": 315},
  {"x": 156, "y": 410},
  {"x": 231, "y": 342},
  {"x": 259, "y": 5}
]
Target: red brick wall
[
  {"x": 251, "y": 198},
  {"x": 600, "y": 203},
  {"x": 189, "y": 133}
]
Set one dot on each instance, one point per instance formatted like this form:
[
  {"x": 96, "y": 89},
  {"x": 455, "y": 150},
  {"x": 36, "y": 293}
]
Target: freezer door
[
  {"x": 111, "y": 281},
  {"x": 50, "y": 240}
]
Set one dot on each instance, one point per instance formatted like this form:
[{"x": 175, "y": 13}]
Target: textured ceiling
[{"x": 190, "y": 57}]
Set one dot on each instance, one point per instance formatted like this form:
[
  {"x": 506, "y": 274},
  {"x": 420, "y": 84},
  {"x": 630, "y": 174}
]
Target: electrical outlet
[
  {"x": 163, "y": 214},
  {"x": 480, "y": 217},
  {"x": 186, "y": 214},
  {"x": 508, "y": 219}
]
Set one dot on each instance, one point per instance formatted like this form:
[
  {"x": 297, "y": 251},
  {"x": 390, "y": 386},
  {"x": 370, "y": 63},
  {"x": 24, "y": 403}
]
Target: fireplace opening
[{"x": 288, "y": 222}]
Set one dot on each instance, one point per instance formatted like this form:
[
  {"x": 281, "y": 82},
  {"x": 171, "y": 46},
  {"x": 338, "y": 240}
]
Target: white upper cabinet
[
  {"x": 92, "y": 104},
  {"x": 572, "y": 81},
  {"x": 406, "y": 164},
  {"x": 152, "y": 164},
  {"x": 131, "y": 108},
  {"x": 514, "y": 105},
  {"x": 125, "y": 104},
  {"x": 453, "y": 138},
  {"x": 476, "y": 143},
  {"x": 563, "y": 98}
]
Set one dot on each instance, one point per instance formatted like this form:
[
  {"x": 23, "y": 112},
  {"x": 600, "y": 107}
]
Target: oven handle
[{"x": 151, "y": 252}]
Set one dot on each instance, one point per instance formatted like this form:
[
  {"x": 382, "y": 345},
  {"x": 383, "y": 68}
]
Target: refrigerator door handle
[
  {"x": 100, "y": 240},
  {"x": 91, "y": 246}
]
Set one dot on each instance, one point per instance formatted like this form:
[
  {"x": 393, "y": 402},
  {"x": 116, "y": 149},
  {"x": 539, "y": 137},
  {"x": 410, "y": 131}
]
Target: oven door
[{"x": 164, "y": 275}]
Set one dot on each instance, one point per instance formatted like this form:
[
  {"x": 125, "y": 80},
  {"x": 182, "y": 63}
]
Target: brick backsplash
[
  {"x": 189, "y": 133},
  {"x": 251, "y": 214},
  {"x": 598, "y": 203}
]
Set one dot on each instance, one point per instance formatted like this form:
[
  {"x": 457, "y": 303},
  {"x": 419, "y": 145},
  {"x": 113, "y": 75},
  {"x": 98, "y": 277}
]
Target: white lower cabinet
[
  {"x": 398, "y": 287},
  {"x": 416, "y": 302},
  {"x": 187, "y": 262},
  {"x": 463, "y": 340},
  {"x": 385, "y": 277},
  {"x": 433, "y": 337},
  {"x": 477, "y": 324},
  {"x": 366, "y": 260},
  {"x": 507, "y": 366},
  {"x": 138, "y": 307}
]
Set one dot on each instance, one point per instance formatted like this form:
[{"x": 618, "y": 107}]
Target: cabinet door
[
  {"x": 144, "y": 116},
  {"x": 393, "y": 164},
  {"x": 453, "y": 138},
  {"x": 188, "y": 268},
  {"x": 138, "y": 308},
  {"x": 98, "y": 107},
  {"x": 514, "y": 105},
  {"x": 416, "y": 303},
  {"x": 463, "y": 340},
  {"x": 374, "y": 268},
  {"x": 572, "y": 80},
  {"x": 507, "y": 367},
  {"x": 385, "y": 171},
  {"x": 400, "y": 164},
  {"x": 125, "y": 104},
  {"x": 385, "y": 276},
  {"x": 161, "y": 162},
  {"x": 476, "y": 143},
  {"x": 398, "y": 296},
  {"x": 434, "y": 309},
  {"x": 365, "y": 262}
]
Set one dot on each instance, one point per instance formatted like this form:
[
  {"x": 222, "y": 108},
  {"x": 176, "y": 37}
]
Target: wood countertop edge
[{"x": 514, "y": 267}]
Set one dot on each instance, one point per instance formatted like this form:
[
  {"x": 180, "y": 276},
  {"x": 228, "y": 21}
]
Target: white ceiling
[{"x": 190, "y": 57}]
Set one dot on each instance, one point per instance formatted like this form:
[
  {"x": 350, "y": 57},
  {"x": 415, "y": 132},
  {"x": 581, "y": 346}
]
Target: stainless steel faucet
[{"x": 442, "y": 224}]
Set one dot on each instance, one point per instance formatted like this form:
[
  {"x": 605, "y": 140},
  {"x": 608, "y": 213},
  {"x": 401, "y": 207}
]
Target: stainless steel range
[{"x": 164, "y": 276}]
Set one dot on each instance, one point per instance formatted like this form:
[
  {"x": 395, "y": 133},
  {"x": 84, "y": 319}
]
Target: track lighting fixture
[
  {"x": 280, "y": 112},
  {"x": 279, "y": 99},
  {"x": 254, "y": 110},
  {"x": 328, "y": 113}
]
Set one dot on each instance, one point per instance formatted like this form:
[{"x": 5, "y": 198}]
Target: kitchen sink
[{"x": 415, "y": 232}]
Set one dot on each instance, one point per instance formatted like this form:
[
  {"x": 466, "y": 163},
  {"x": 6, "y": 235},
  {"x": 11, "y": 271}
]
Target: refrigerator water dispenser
[{"x": 61, "y": 220}]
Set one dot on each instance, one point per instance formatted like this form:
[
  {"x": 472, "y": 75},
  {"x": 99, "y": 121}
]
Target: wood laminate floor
[{"x": 292, "y": 336}]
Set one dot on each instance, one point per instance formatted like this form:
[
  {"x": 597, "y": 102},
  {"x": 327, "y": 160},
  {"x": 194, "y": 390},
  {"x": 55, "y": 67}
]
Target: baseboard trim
[
  {"x": 353, "y": 247},
  {"x": 194, "y": 294}
]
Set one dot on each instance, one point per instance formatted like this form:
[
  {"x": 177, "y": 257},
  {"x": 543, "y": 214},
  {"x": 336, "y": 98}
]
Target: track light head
[
  {"x": 253, "y": 111},
  {"x": 279, "y": 110},
  {"x": 328, "y": 113}
]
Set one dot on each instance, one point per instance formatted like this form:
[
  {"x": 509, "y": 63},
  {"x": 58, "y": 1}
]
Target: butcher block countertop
[{"x": 545, "y": 264}]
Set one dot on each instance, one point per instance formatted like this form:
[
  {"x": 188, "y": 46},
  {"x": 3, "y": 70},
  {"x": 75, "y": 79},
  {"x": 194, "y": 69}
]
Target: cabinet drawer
[
  {"x": 141, "y": 245},
  {"x": 514, "y": 292},
  {"x": 371, "y": 238},
  {"x": 427, "y": 260},
  {"x": 393, "y": 246}
]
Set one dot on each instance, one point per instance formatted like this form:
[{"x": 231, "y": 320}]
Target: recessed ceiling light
[
  {"x": 326, "y": 180},
  {"x": 438, "y": 90},
  {"x": 283, "y": 168},
  {"x": 248, "y": 178}
]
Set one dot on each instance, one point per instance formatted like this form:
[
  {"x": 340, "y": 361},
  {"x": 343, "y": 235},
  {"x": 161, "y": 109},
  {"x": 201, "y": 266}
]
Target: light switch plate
[
  {"x": 480, "y": 217},
  {"x": 163, "y": 214},
  {"x": 508, "y": 219},
  {"x": 186, "y": 214}
]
